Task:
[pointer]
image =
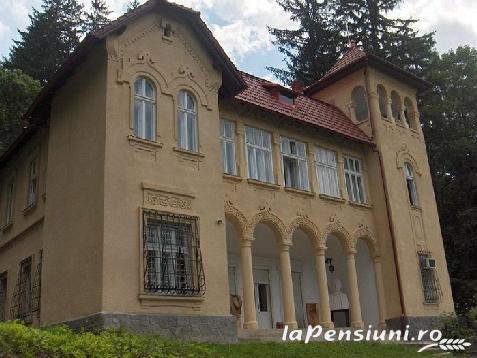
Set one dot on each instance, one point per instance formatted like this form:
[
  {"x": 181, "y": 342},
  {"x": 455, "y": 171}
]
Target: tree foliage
[
  {"x": 17, "y": 92},
  {"x": 51, "y": 36},
  {"x": 97, "y": 17},
  {"x": 449, "y": 118},
  {"x": 132, "y": 5},
  {"x": 325, "y": 28}
]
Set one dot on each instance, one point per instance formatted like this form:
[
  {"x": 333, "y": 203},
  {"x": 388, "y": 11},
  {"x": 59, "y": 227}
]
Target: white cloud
[
  {"x": 453, "y": 20},
  {"x": 4, "y": 29}
]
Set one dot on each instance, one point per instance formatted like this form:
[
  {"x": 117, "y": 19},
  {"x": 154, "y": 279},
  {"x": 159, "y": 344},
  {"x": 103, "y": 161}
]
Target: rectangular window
[
  {"x": 32, "y": 183},
  {"x": 22, "y": 298},
  {"x": 172, "y": 257},
  {"x": 9, "y": 201},
  {"x": 354, "y": 180},
  {"x": 259, "y": 154},
  {"x": 3, "y": 296},
  {"x": 430, "y": 283},
  {"x": 295, "y": 165},
  {"x": 227, "y": 142},
  {"x": 326, "y": 171}
]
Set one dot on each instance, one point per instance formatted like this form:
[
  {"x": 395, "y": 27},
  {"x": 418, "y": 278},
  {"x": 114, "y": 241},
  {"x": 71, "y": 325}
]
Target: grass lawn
[{"x": 17, "y": 340}]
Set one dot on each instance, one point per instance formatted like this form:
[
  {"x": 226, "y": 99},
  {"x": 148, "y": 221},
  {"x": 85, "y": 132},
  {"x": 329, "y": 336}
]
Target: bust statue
[{"x": 338, "y": 299}]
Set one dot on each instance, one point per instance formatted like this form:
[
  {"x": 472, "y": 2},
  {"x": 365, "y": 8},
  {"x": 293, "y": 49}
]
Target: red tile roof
[
  {"x": 355, "y": 58},
  {"x": 306, "y": 110},
  {"x": 352, "y": 55}
]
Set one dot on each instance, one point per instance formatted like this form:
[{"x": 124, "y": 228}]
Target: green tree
[
  {"x": 325, "y": 28},
  {"x": 132, "y": 5},
  {"x": 97, "y": 17},
  {"x": 51, "y": 36},
  {"x": 17, "y": 92},
  {"x": 449, "y": 118}
]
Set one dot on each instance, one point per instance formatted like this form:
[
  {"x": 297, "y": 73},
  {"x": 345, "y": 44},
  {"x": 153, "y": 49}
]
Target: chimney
[{"x": 297, "y": 86}]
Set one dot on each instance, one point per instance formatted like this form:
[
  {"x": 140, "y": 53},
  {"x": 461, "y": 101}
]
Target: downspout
[{"x": 388, "y": 207}]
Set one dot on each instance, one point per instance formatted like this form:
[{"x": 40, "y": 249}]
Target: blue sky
[{"x": 241, "y": 25}]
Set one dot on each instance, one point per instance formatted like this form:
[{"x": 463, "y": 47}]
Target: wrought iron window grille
[
  {"x": 36, "y": 288},
  {"x": 430, "y": 282},
  {"x": 21, "y": 307},
  {"x": 172, "y": 255},
  {"x": 3, "y": 296}
]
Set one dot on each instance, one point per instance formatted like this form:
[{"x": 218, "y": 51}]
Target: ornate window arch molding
[
  {"x": 236, "y": 218},
  {"x": 403, "y": 155},
  {"x": 364, "y": 233},
  {"x": 143, "y": 66},
  {"x": 308, "y": 227},
  {"x": 337, "y": 229},
  {"x": 273, "y": 221},
  {"x": 188, "y": 83}
]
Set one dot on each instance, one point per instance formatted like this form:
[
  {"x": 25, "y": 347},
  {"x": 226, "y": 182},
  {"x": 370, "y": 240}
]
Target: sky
[{"x": 241, "y": 25}]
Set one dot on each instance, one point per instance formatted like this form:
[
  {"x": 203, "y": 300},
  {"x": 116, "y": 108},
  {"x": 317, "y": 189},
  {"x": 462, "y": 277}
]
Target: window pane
[
  {"x": 138, "y": 86},
  {"x": 149, "y": 90},
  {"x": 268, "y": 166},
  {"x": 182, "y": 130},
  {"x": 191, "y": 132},
  {"x": 149, "y": 118},
  {"x": 303, "y": 171},
  {"x": 138, "y": 116}
]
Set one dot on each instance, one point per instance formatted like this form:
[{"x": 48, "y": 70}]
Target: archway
[
  {"x": 338, "y": 280},
  {"x": 305, "y": 287},
  {"x": 367, "y": 284}
]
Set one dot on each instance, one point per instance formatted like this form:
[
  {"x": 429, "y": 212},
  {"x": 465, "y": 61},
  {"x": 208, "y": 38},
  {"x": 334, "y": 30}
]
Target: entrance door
[
  {"x": 262, "y": 298},
  {"x": 297, "y": 294}
]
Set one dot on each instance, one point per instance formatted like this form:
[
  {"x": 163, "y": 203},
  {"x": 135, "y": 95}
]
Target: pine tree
[
  {"x": 51, "y": 36},
  {"x": 97, "y": 17},
  {"x": 132, "y": 5},
  {"x": 327, "y": 26}
]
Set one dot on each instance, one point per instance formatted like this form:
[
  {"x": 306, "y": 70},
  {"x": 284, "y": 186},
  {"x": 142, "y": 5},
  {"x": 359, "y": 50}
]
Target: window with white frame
[
  {"x": 9, "y": 201},
  {"x": 32, "y": 183},
  {"x": 144, "y": 109},
  {"x": 259, "y": 154},
  {"x": 227, "y": 143},
  {"x": 187, "y": 117},
  {"x": 354, "y": 180},
  {"x": 411, "y": 184},
  {"x": 295, "y": 165},
  {"x": 172, "y": 258},
  {"x": 326, "y": 172}
]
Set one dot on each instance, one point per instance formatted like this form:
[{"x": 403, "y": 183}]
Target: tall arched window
[
  {"x": 382, "y": 96},
  {"x": 396, "y": 106},
  {"x": 144, "y": 109},
  {"x": 358, "y": 96},
  {"x": 411, "y": 184},
  {"x": 409, "y": 113},
  {"x": 187, "y": 120}
]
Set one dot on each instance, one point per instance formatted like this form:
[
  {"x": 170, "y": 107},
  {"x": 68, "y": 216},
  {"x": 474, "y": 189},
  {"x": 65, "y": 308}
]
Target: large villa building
[{"x": 159, "y": 189}]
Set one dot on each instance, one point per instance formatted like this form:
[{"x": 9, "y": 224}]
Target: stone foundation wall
[
  {"x": 415, "y": 323},
  {"x": 217, "y": 329}
]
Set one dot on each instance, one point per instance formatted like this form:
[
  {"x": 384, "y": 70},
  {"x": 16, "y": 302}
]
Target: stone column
[
  {"x": 287, "y": 287},
  {"x": 250, "y": 315},
  {"x": 378, "y": 272},
  {"x": 324, "y": 299},
  {"x": 355, "y": 305},
  {"x": 240, "y": 151},
  {"x": 389, "y": 110},
  {"x": 277, "y": 160},
  {"x": 403, "y": 118}
]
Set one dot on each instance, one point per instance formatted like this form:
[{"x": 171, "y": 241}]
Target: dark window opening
[
  {"x": 3, "y": 296},
  {"x": 262, "y": 297},
  {"x": 22, "y": 295},
  {"x": 168, "y": 30}
]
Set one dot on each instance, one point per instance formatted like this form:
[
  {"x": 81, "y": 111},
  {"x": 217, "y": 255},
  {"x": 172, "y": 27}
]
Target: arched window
[
  {"x": 144, "y": 109},
  {"x": 382, "y": 96},
  {"x": 358, "y": 96},
  {"x": 411, "y": 184},
  {"x": 187, "y": 120},
  {"x": 396, "y": 106},
  {"x": 409, "y": 113}
]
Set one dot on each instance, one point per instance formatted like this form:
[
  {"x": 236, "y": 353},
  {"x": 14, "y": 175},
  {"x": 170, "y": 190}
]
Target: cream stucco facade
[{"x": 97, "y": 181}]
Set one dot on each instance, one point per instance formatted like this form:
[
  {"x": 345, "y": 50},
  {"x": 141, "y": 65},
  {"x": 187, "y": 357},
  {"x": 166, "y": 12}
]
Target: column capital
[
  {"x": 285, "y": 245},
  {"x": 320, "y": 250},
  {"x": 246, "y": 242},
  {"x": 352, "y": 252}
]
